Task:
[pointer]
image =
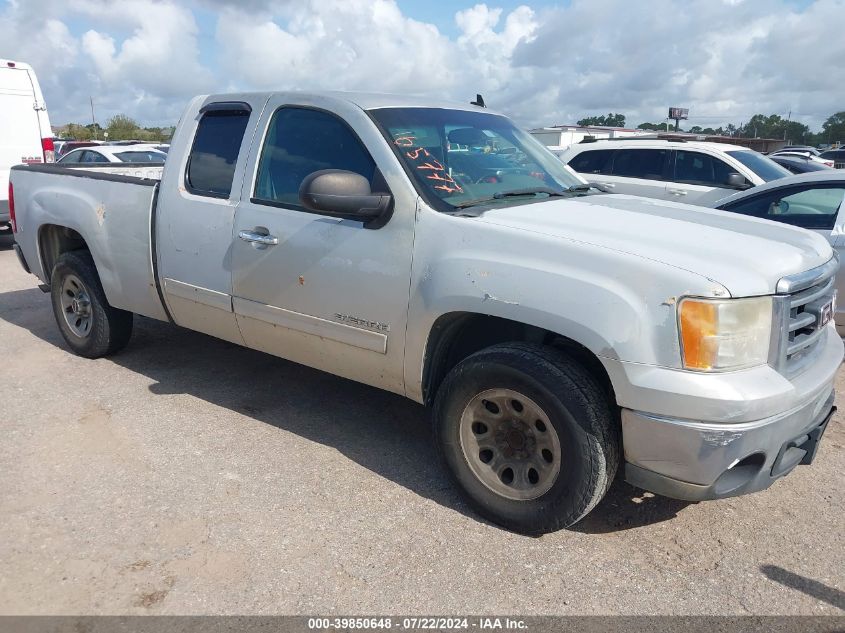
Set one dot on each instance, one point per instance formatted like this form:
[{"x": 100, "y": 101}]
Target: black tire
[
  {"x": 109, "y": 329},
  {"x": 573, "y": 401}
]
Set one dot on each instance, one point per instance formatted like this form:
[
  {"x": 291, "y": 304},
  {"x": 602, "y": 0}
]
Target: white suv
[{"x": 684, "y": 171}]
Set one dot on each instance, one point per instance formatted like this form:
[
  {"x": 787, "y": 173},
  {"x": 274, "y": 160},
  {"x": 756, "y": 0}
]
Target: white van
[
  {"x": 694, "y": 172},
  {"x": 25, "y": 133}
]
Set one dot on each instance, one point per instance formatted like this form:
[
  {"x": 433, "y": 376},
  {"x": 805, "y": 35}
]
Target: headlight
[{"x": 722, "y": 334}]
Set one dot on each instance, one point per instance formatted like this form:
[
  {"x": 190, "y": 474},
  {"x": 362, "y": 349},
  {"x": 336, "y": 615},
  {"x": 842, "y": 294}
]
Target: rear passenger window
[
  {"x": 211, "y": 165},
  {"x": 592, "y": 162},
  {"x": 301, "y": 141},
  {"x": 649, "y": 164},
  {"x": 700, "y": 169}
]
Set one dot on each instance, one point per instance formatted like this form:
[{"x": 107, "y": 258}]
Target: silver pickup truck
[{"x": 439, "y": 252}]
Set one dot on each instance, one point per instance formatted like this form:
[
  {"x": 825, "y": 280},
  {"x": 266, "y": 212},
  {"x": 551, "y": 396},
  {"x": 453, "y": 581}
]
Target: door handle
[
  {"x": 677, "y": 192},
  {"x": 608, "y": 185},
  {"x": 258, "y": 238}
]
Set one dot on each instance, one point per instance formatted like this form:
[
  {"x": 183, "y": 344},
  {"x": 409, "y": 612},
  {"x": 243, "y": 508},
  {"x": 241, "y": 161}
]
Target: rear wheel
[
  {"x": 90, "y": 326},
  {"x": 528, "y": 435}
]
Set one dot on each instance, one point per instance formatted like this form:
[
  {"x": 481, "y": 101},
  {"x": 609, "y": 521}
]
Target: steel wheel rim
[
  {"x": 76, "y": 306},
  {"x": 510, "y": 444}
]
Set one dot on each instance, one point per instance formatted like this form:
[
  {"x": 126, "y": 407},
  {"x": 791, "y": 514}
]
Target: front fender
[{"x": 618, "y": 305}]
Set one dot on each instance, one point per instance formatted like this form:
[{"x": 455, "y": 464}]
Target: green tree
[
  {"x": 94, "y": 131},
  {"x": 775, "y": 126},
  {"x": 655, "y": 127},
  {"x": 611, "y": 120},
  {"x": 833, "y": 129},
  {"x": 77, "y": 132},
  {"x": 706, "y": 131},
  {"x": 122, "y": 128}
]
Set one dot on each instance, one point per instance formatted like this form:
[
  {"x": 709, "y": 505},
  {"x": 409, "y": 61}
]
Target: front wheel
[
  {"x": 529, "y": 436},
  {"x": 91, "y": 327}
]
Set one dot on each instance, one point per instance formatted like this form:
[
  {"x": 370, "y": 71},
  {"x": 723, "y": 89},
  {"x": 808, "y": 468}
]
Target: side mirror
[
  {"x": 344, "y": 194},
  {"x": 737, "y": 181}
]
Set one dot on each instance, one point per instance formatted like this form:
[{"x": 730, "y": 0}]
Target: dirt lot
[{"x": 187, "y": 475}]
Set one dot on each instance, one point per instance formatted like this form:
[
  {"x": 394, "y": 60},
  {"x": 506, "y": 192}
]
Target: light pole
[{"x": 93, "y": 120}]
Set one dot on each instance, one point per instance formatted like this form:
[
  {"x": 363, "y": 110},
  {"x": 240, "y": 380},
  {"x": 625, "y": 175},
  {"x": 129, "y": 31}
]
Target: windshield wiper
[
  {"x": 580, "y": 188},
  {"x": 528, "y": 191}
]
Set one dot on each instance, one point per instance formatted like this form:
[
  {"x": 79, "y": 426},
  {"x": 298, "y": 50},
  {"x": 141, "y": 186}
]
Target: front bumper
[
  {"x": 697, "y": 461},
  {"x": 716, "y": 446}
]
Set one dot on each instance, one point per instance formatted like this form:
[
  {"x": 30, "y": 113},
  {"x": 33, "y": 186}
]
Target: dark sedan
[
  {"x": 798, "y": 164},
  {"x": 836, "y": 155}
]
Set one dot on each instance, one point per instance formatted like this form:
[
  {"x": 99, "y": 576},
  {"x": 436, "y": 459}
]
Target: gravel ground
[{"x": 187, "y": 475}]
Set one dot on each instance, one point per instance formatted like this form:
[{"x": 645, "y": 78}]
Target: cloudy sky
[{"x": 541, "y": 62}]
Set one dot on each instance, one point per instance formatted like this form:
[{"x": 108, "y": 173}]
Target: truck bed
[{"x": 112, "y": 206}]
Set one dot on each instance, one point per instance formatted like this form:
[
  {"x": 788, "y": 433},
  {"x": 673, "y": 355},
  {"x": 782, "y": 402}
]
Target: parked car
[
  {"x": 25, "y": 133},
  {"x": 812, "y": 157},
  {"x": 811, "y": 201},
  {"x": 837, "y": 156},
  {"x": 69, "y": 146},
  {"x": 799, "y": 164},
  {"x": 558, "y": 333},
  {"x": 113, "y": 154},
  {"x": 685, "y": 171},
  {"x": 58, "y": 144},
  {"x": 798, "y": 148}
]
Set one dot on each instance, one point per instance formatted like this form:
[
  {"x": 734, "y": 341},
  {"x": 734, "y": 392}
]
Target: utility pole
[
  {"x": 93, "y": 120},
  {"x": 788, "y": 119}
]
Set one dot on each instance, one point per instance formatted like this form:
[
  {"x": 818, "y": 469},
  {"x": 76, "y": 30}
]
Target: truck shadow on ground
[
  {"x": 383, "y": 432},
  {"x": 812, "y": 588}
]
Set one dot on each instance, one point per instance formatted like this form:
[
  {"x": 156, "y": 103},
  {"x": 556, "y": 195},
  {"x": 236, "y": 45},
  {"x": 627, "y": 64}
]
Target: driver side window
[
  {"x": 810, "y": 208},
  {"x": 301, "y": 141}
]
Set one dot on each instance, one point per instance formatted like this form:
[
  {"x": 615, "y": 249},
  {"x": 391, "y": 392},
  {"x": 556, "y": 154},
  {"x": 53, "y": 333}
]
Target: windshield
[
  {"x": 461, "y": 158},
  {"x": 148, "y": 156},
  {"x": 761, "y": 165}
]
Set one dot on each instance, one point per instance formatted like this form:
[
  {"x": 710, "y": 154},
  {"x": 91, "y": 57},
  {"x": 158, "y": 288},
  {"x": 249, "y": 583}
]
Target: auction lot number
[{"x": 387, "y": 623}]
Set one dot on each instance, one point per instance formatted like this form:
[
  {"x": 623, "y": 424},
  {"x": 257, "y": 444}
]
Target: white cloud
[
  {"x": 724, "y": 60},
  {"x": 337, "y": 44},
  {"x": 159, "y": 59},
  {"x": 139, "y": 57}
]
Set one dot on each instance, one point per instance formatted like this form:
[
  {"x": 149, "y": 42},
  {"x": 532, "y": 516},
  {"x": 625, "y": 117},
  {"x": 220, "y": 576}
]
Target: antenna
[{"x": 479, "y": 101}]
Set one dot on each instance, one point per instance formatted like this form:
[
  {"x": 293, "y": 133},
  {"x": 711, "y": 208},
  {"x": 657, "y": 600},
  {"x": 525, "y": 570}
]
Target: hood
[{"x": 745, "y": 255}]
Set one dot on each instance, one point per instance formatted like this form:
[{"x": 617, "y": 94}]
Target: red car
[{"x": 72, "y": 145}]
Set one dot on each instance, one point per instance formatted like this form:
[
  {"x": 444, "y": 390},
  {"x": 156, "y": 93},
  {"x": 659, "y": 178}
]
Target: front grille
[{"x": 802, "y": 303}]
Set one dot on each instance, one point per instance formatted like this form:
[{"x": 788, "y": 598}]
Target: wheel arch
[
  {"x": 456, "y": 335},
  {"x": 53, "y": 241}
]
